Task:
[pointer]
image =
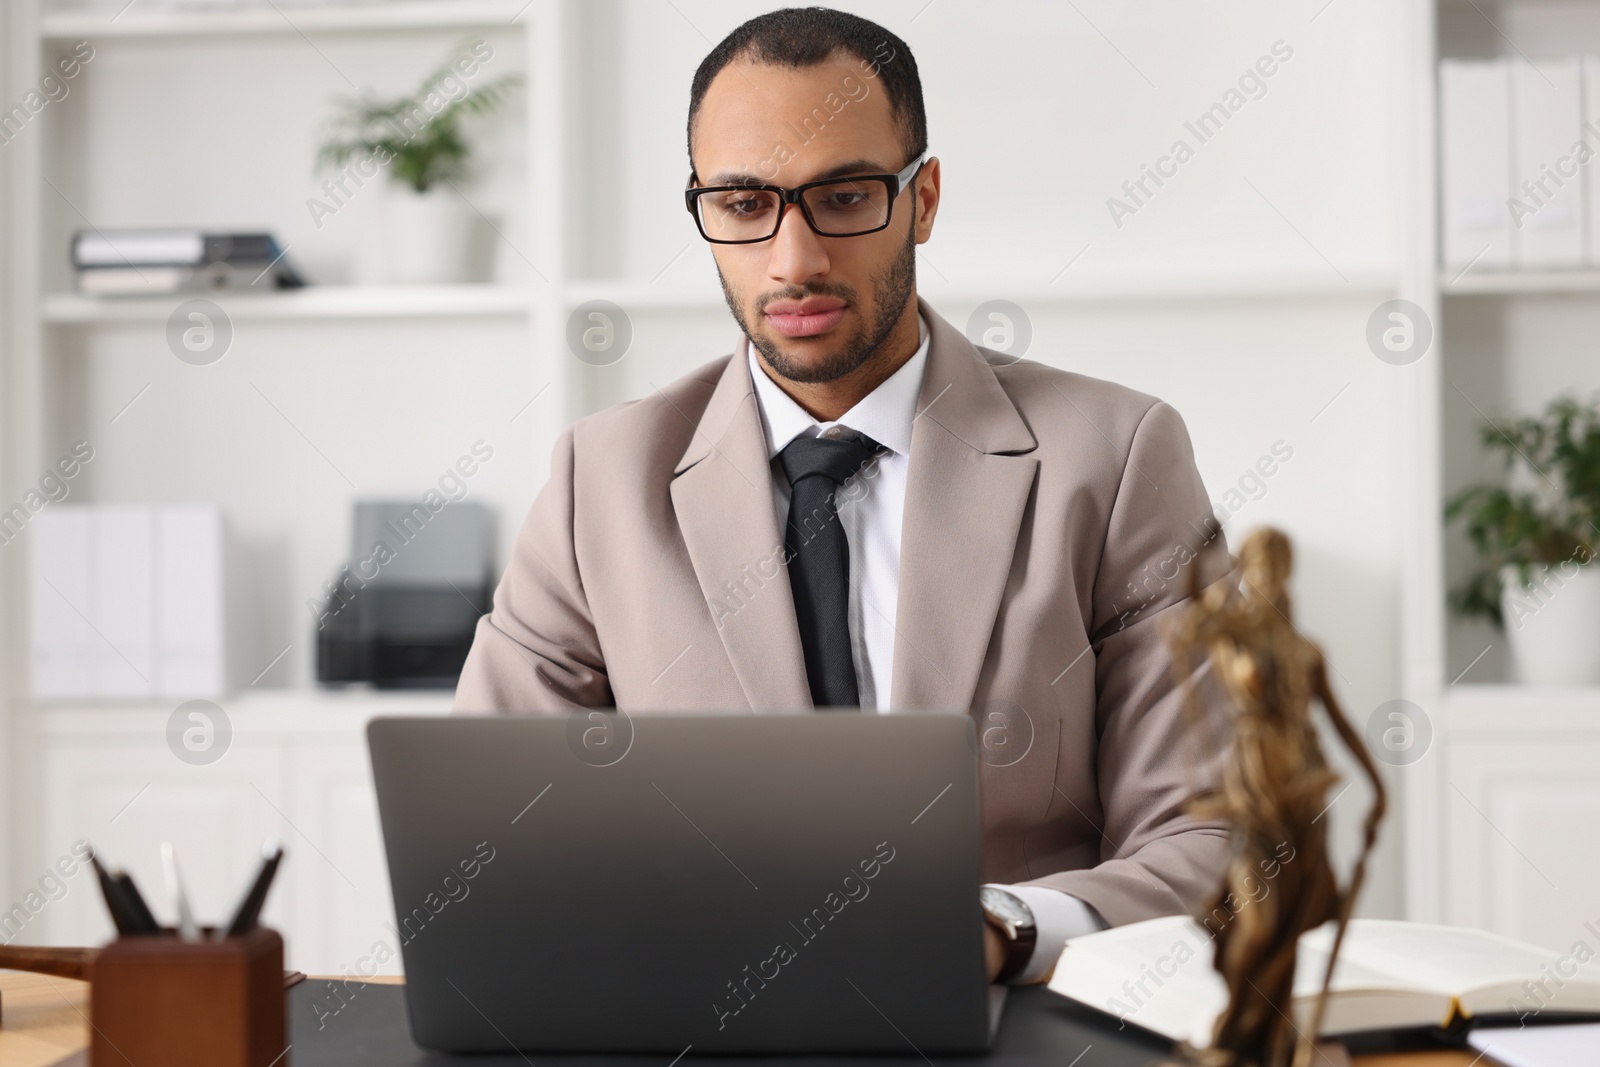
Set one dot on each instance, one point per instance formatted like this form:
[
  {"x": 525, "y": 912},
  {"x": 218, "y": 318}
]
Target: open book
[{"x": 1158, "y": 975}]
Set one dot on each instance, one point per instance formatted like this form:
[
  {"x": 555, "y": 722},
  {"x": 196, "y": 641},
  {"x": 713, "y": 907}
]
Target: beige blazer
[{"x": 1051, "y": 522}]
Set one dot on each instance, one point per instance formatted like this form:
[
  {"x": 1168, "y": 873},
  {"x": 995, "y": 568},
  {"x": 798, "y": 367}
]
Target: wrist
[
  {"x": 1012, "y": 919},
  {"x": 1059, "y": 916}
]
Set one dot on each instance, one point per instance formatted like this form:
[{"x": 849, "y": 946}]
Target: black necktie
[{"x": 819, "y": 560}]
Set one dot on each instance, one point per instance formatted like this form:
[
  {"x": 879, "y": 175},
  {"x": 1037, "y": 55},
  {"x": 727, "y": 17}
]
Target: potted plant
[
  {"x": 1536, "y": 539},
  {"x": 420, "y": 141}
]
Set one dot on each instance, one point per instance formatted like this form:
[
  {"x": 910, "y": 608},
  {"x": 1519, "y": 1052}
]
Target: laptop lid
[{"x": 732, "y": 883}]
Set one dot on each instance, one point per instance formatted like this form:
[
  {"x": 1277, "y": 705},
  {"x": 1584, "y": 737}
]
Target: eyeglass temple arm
[{"x": 903, "y": 179}]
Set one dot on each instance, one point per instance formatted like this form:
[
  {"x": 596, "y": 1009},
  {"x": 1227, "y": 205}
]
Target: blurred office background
[{"x": 1243, "y": 287}]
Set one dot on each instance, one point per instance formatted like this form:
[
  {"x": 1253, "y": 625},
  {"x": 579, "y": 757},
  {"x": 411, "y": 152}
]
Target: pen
[
  {"x": 112, "y": 894},
  {"x": 187, "y": 928},
  {"x": 249, "y": 910},
  {"x": 142, "y": 921}
]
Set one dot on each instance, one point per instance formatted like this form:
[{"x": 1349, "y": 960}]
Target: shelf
[
  {"x": 435, "y": 301},
  {"x": 1091, "y": 288},
  {"x": 284, "y": 18},
  {"x": 313, "y": 302},
  {"x": 644, "y": 296},
  {"x": 1523, "y": 709},
  {"x": 1518, "y": 281},
  {"x": 335, "y": 711}
]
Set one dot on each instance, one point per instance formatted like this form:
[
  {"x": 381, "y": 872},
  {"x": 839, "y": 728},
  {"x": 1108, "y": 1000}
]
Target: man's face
[{"x": 815, "y": 307}]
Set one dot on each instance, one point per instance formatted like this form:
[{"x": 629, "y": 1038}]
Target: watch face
[{"x": 1005, "y": 907}]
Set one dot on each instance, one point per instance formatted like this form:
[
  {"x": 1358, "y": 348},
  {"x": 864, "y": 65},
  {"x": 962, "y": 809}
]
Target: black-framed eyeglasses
[{"x": 834, "y": 207}]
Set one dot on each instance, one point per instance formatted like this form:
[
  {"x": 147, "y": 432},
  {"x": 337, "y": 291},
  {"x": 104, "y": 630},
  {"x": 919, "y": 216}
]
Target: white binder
[
  {"x": 1547, "y": 125},
  {"x": 126, "y": 602},
  {"x": 189, "y": 602},
  {"x": 59, "y": 598},
  {"x": 121, "y": 565},
  {"x": 1475, "y": 163}
]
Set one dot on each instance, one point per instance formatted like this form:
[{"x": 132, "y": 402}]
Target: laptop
[{"x": 738, "y": 883}]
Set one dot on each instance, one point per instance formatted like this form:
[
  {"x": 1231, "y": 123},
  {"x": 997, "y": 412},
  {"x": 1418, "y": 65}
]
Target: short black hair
[{"x": 801, "y": 37}]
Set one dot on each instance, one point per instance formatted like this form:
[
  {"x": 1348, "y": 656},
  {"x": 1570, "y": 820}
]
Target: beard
[{"x": 891, "y": 290}]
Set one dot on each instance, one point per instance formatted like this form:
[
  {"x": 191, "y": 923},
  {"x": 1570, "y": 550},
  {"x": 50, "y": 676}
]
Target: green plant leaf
[
  {"x": 1558, "y": 452},
  {"x": 419, "y": 135}
]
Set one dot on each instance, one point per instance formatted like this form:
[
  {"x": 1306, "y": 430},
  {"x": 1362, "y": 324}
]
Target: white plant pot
[
  {"x": 1553, "y": 623},
  {"x": 426, "y": 235}
]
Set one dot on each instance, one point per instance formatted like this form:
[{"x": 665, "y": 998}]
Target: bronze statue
[{"x": 1273, "y": 793}]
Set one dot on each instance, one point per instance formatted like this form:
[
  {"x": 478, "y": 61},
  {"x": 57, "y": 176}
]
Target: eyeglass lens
[{"x": 837, "y": 209}]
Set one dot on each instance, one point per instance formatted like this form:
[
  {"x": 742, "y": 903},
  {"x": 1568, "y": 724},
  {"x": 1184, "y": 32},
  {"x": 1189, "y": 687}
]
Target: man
[{"x": 861, "y": 507}]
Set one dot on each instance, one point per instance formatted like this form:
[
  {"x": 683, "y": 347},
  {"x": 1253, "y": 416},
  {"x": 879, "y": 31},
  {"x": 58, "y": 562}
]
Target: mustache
[{"x": 846, "y": 293}]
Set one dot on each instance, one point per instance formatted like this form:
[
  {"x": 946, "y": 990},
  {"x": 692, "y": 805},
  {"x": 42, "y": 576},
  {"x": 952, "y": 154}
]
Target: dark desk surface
[
  {"x": 1038, "y": 1029},
  {"x": 45, "y": 1024}
]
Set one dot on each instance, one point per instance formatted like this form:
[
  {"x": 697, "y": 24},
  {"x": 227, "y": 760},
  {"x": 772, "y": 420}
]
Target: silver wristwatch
[{"x": 1007, "y": 913}]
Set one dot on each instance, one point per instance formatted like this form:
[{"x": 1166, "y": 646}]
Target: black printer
[{"x": 401, "y": 614}]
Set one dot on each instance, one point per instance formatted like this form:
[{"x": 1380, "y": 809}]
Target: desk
[{"x": 46, "y": 1022}]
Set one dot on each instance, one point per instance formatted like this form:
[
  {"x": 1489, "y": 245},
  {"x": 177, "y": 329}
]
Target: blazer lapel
[
  {"x": 966, "y": 490},
  {"x": 722, "y": 495}
]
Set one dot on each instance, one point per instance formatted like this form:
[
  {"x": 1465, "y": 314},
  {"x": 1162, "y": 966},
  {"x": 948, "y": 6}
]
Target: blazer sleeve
[
  {"x": 537, "y": 650},
  {"x": 1155, "y": 753}
]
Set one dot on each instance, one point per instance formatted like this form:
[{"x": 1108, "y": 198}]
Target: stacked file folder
[{"x": 135, "y": 262}]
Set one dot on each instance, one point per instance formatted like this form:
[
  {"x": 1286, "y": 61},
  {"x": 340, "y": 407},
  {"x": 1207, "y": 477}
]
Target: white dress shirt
[
  {"x": 871, "y": 503},
  {"x": 871, "y": 506}
]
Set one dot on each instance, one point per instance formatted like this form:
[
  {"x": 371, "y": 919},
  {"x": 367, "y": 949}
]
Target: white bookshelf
[
  {"x": 386, "y": 377},
  {"x": 1507, "y": 762}
]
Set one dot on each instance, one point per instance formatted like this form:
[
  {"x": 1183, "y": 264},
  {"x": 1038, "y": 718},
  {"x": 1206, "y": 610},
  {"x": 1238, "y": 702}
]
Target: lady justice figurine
[{"x": 1273, "y": 794}]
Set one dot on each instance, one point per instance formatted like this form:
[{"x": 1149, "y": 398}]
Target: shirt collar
[{"x": 885, "y": 414}]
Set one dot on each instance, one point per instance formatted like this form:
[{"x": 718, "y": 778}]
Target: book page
[
  {"x": 1360, "y": 997},
  {"x": 1350, "y": 974},
  {"x": 1155, "y": 974},
  {"x": 1479, "y": 968},
  {"x": 1158, "y": 974}
]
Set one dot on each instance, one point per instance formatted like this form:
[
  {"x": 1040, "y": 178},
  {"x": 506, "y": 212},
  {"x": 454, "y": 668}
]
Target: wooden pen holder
[{"x": 162, "y": 1000}]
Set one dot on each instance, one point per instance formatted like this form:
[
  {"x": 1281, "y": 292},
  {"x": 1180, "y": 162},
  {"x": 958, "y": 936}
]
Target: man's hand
[{"x": 994, "y": 950}]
